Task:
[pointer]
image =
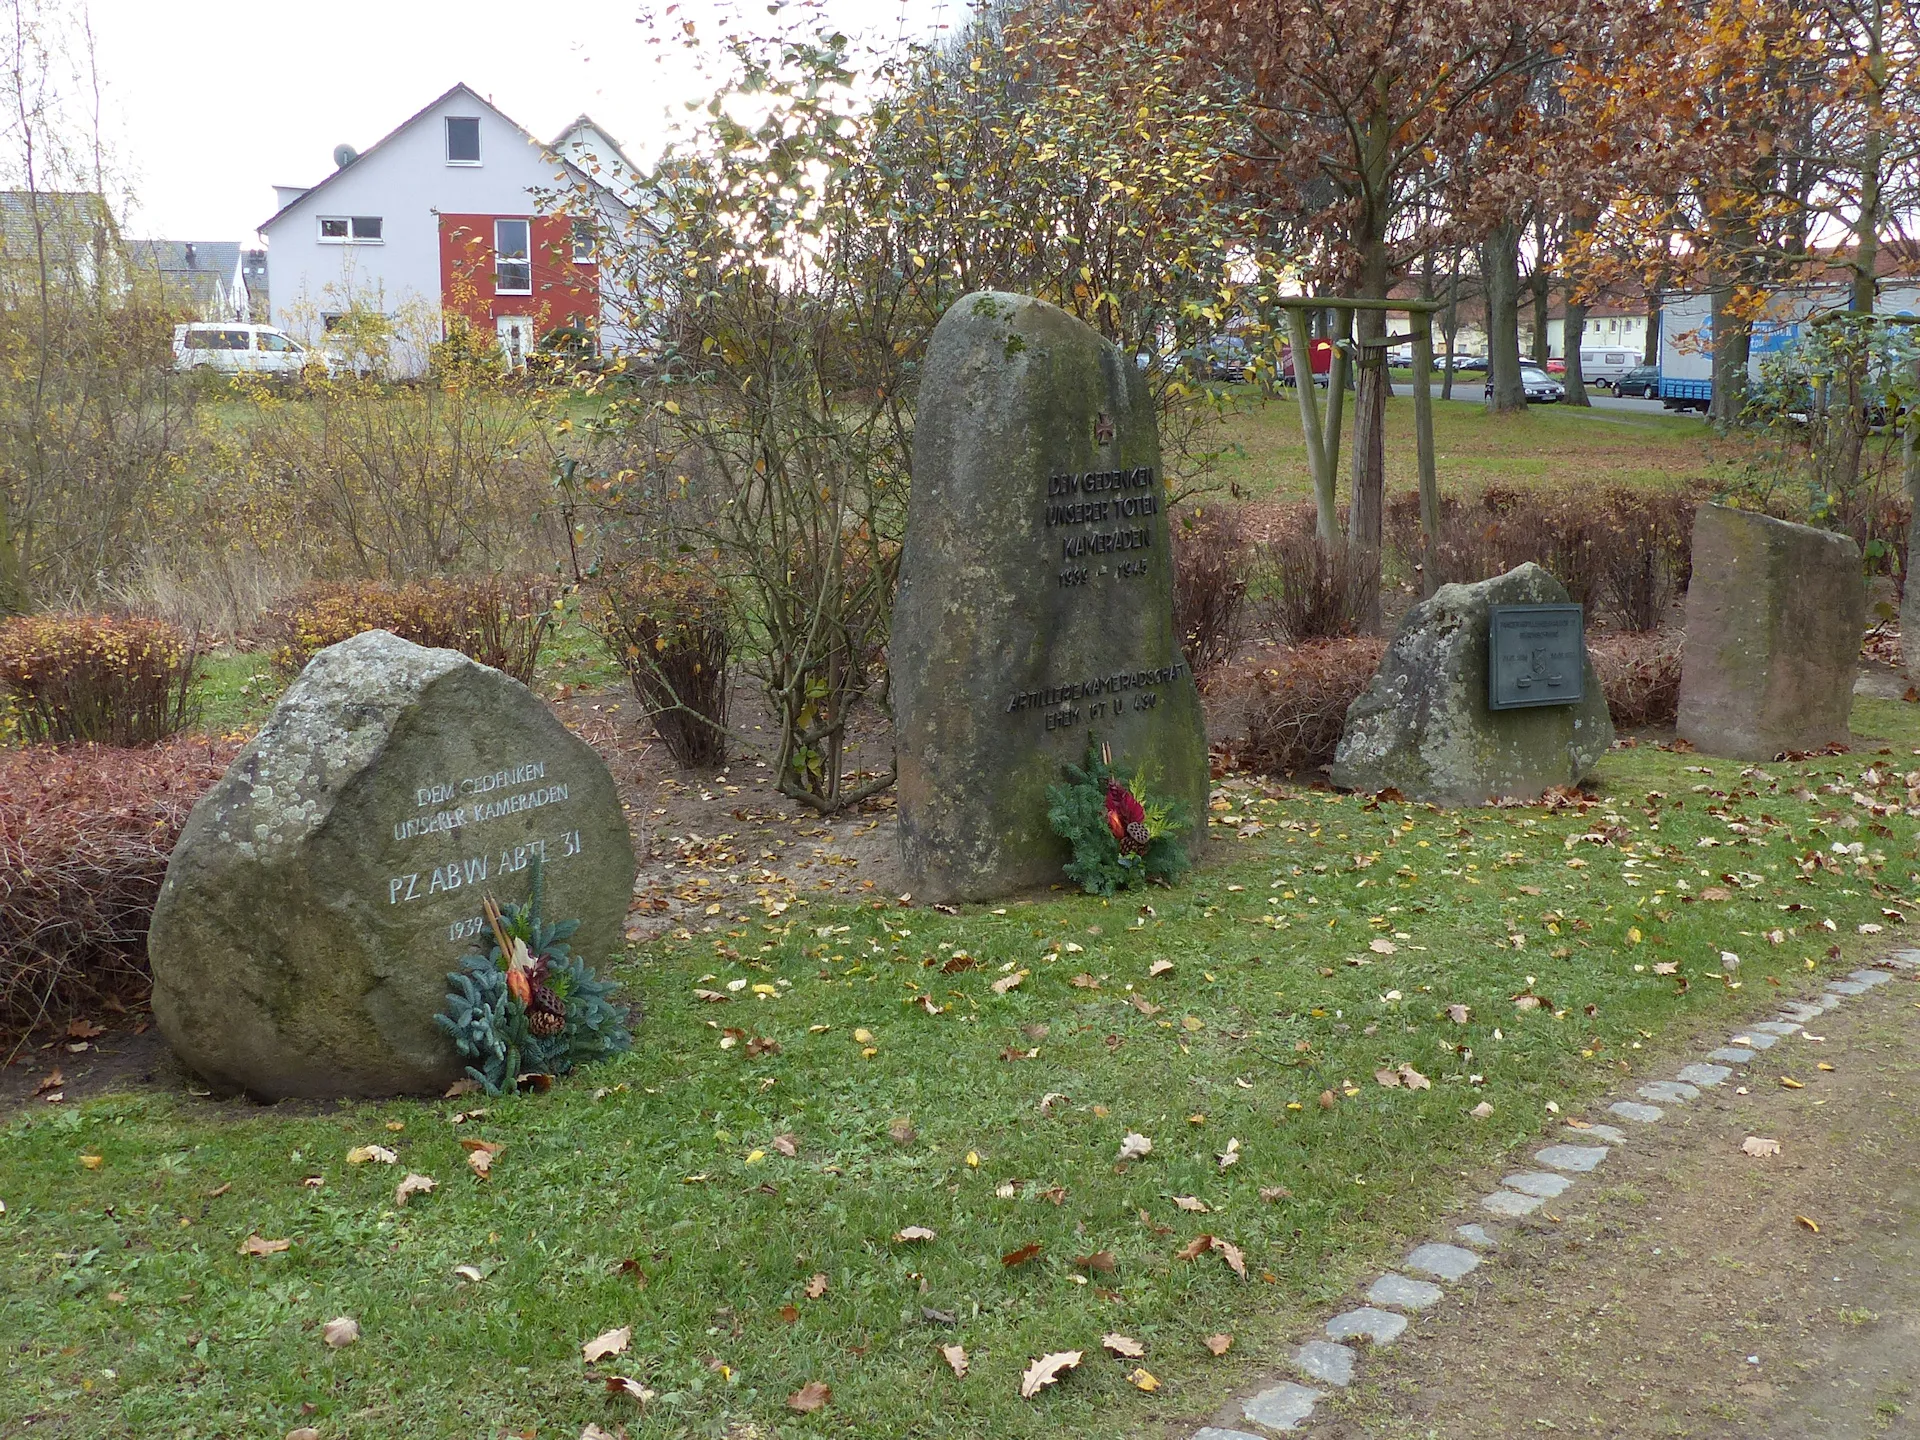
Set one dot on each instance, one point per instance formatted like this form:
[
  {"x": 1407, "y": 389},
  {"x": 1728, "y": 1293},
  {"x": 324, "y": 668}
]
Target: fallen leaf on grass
[
  {"x": 1008, "y": 982},
  {"x": 1666, "y": 967},
  {"x": 1481, "y": 1111},
  {"x": 1142, "y": 1379},
  {"x": 1020, "y": 1256},
  {"x": 1230, "y": 1253},
  {"x": 1101, "y": 1260},
  {"x": 1810, "y": 1224},
  {"x": 1218, "y": 1344},
  {"x": 1823, "y": 1065},
  {"x": 627, "y": 1385},
  {"x": 1759, "y": 1147},
  {"x": 340, "y": 1331},
  {"x": 1192, "y": 1204},
  {"x": 786, "y": 1145},
  {"x": 956, "y": 1358},
  {"x": 52, "y": 1080},
  {"x": 1045, "y": 1371},
  {"x": 1143, "y": 1005},
  {"x": 472, "y": 1274},
  {"x": 591, "y": 1431},
  {"x": 1327, "y": 1102},
  {"x": 1158, "y": 968},
  {"x": 608, "y": 1342},
  {"x": 1459, "y": 1014},
  {"x": 361, "y": 1154},
  {"x": 816, "y": 1287},
  {"x": 1413, "y": 1079},
  {"x": 901, "y": 1131},
  {"x": 1135, "y": 1147},
  {"x": 812, "y": 1396},
  {"x": 1125, "y": 1346},
  {"x": 411, "y": 1186},
  {"x": 1790, "y": 1083},
  {"x": 254, "y": 1245},
  {"x": 219, "y": 1190},
  {"x": 912, "y": 1234},
  {"x": 1388, "y": 1078},
  {"x": 1716, "y": 892},
  {"x": 1380, "y": 945},
  {"x": 480, "y": 1156},
  {"x": 1274, "y": 1193}
]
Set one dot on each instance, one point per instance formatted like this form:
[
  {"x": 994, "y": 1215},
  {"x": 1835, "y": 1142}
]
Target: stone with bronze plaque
[{"x": 1536, "y": 655}]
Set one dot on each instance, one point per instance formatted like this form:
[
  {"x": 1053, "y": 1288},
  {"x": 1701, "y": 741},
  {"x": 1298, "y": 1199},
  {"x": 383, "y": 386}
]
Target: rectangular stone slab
[
  {"x": 1036, "y": 597},
  {"x": 1774, "y": 617}
]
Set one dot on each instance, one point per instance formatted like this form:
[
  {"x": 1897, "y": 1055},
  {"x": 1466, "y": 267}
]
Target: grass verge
[{"x": 1324, "y": 942}]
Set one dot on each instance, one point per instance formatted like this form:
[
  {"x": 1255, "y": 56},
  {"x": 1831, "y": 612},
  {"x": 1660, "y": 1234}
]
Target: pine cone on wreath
[
  {"x": 1127, "y": 818},
  {"x": 546, "y": 1011}
]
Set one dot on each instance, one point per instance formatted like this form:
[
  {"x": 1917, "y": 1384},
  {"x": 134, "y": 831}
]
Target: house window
[
  {"x": 583, "y": 243},
  {"x": 463, "y": 140},
  {"x": 513, "y": 258},
  {"x": 350, "y": 229}
]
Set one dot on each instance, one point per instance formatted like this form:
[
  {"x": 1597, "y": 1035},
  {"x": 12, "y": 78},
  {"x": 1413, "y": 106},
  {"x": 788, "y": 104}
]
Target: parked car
[
  {"x": 1642, "y": 380},
  {"x": 1541, "y": 388},
  {"x": 237, "y": 349},
  {"x": 1556, "y": 366},
  {"x": 1225, "y": 357},
  {"x": 1466, "y": 362},
  {"x": 1601, "y": 366}
]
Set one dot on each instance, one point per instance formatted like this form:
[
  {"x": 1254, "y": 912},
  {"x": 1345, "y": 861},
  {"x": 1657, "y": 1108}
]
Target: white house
[{"x": 457, "y": 212}]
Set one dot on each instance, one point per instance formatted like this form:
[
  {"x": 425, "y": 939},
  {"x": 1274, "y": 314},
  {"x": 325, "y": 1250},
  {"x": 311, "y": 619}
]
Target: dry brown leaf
[
  {"x": 1101, "y": 1260},
  {"x": 591, "y": 1431},
  {"x": 1084, "y": 981},
  {"x": 786, "y": 1145},
  {"x": 712, "y": 997},
  {"x": 913, "y": 1234},
  {"x": 1327, "y": 1102},
  {"x": 812, "y": 1396},
  {"x": 1135, "y": 1147},
  {"x": 411, "y": 1186},
  {"x": 1760, "y": 1147},
  {"x": 1666, "y": 967},
  {"x": 1230, "y": 1253},
  {"x": 901, "y": 1131},
  {"x": 304, "y": 1432},
  {"x": 1380, "y": 945},
  {"x": 1143, "y": 1005},
  {"x": 1142, "y": 1379},
  {"x": 1812, "y": 1225},
  {"x": 1125, "y": 1346},
  {"x": 254, "y": 1245},
  {"x": 340, "y": 1331},
  {"x": 1716, "y": 892},
  {"x": 607, "y": 1342},
  {"x": 361, "y": 1154},
  {"x": 1193, "y": 1204},
  {"x": 84, "y": 1029},
  {"x": 1459, "y": 1014},
  {"x": 1008, "y": 982},
  {"x": 1388, "y": 1078},
  {"x": 472, "y": 1274},
  {"x": 219, "y": 1190},
  {"x": 816, "y": 1287},
  {"x": 789, "y": 1314},
  {"x": 627, "y": 1385},
  {"x": 956, "y": 1358},
  {"x": 1194, "y": 1248},
  {"x": 1158, "y": 968},
  {"x": 52, "y": 1080},
  {"x": 1413, "y": 1079},
  {"x": 1218, "y": 1344},
  {"x": 1481, "y": 1111},
  {"x": 1045, "y": 1371},
  {"x": 1020, "y": 1256},
  {"x": 1272, "y": 1193},
  {"x": 1788, "y": 1082}
]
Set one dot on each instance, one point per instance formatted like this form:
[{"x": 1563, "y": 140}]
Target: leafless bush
[
  {"x": 1308, "y": 589},
  {"x": 1295, "y": 717},
  {"x": 1211, "y": 559},
  {"x": 494, "y": 619},
  {"x": 667, "y": 628},
  {"x": 1640, "y": 673}
]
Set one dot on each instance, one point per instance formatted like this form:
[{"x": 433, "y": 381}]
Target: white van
[
  {"x": 1604, "y": 367},
  {"x": 235, "y": 349}
]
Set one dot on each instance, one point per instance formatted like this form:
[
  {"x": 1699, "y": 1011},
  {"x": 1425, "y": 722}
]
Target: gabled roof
[
  {"x": 68, "y": 217},
  {"x": 210, "y": 257},
  {"x": 462, "y": 89}
]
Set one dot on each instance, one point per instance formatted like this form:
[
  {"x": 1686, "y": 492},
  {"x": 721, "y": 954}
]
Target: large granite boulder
[
  {"x": 1424, "y": 726},
  {"x": 323, "y": 889},
  {"x": 1036, "y": 596},
  {"x": 1775, "y": 612}
]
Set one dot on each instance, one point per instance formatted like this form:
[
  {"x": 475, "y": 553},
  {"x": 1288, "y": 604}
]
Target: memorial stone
[
  {"x": 1775, "y": 612},
  {"x": 322, "y": 891},
  {"x": 1036, "y": 597},
  {"x": 1427, "y": 725}
]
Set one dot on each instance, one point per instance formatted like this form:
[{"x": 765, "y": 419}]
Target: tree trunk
[
  {"x": 1732, "y": 342},
  {"x": 1541, "y": 283},
  {"x": 1573, "y": 330},
  {"x": 1650, "y": 351},
  {"x": 1500, "y": 274}
]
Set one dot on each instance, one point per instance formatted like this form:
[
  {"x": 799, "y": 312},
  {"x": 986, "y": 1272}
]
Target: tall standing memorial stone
[
  {"x": 1036, "y": 596},
  {"x": 322, "y": 891}
]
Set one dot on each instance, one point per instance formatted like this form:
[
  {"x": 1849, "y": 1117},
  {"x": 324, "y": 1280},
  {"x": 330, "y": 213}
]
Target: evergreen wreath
[
  {"x": 1121, "y": 836},
  {"x": 528, "y": 1005}
]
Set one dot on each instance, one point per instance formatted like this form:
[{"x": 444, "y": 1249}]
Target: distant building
[
  {"x": 215, "y": 279},
  {"x": 73, "y": 231},
  {"x": 457, "y": 213}
]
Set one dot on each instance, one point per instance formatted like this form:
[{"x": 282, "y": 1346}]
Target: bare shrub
[
  {"x": 1309, "y": 591},
  {"x": 493, "y": 619},
  {"x": 1640, "y": 673},
  {"x": 1295, "y": 717},
  {"x": 99, "y": 678},
  {"x": 667, "y": 628},
  {"x": 85, "y": 834},
  {"x": 1211, "y": 558},
  {"x": 1646, "y": 558}
]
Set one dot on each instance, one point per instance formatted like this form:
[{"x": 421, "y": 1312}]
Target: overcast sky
[{"x": 211, "y": 105}]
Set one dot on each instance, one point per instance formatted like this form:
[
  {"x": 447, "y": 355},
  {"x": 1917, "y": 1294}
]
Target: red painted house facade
[{"x": 496, "y": 268}]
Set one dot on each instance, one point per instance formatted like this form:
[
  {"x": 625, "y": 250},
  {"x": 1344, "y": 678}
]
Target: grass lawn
[
  {"x": 1546, "y": 445},
  {"x": 1322, "y": 942}
]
